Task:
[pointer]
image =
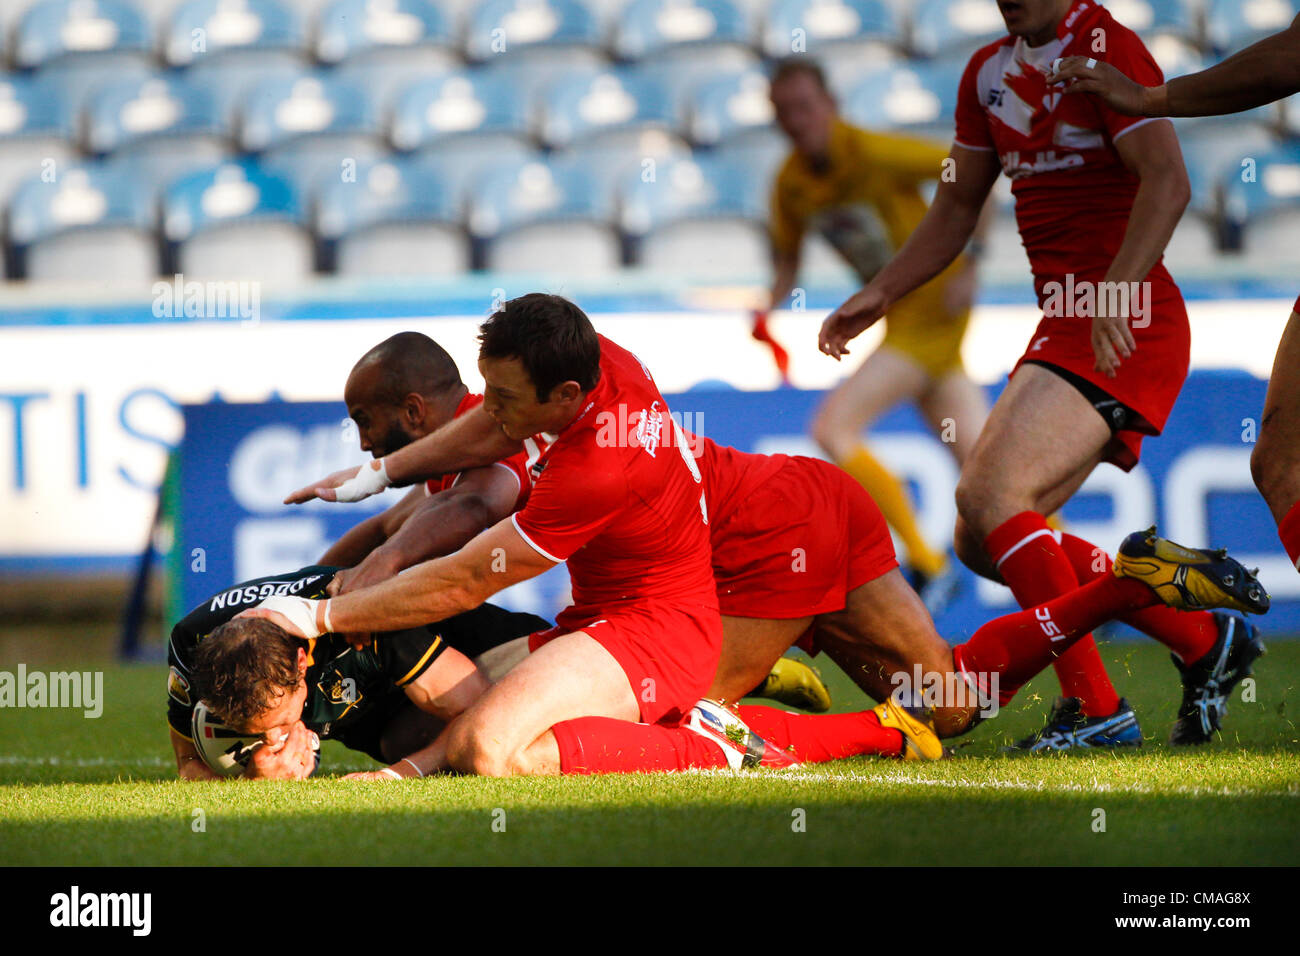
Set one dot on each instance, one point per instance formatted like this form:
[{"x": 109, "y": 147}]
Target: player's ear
[
  {"x": 302, "y": 662},
  {"x": 414, "y": 408},
  {"x": 566, "y": 392}
]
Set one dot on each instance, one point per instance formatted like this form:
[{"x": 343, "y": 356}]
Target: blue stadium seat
[
  {"x": 682, "y": 29},
  {"x": 1289, "y": 116},
  {"x": 1152, "y": 18},
  {"x": 581, "y": 105},
  {"x": 482, "y": 104},
  {"x": 237, "y": 221},
  {"x": 816, "y": 27},
  {"x": 35, "y": 130},
  {"x": 1213, "y": 154},
  {"x": 163, "y": 127},
  {"x": 762, "y": 154},
  {"x": 1266, "y": 205},
  {"x": 309, "y": 127},
  {"x": 698, "y": 216},
  {"x": 91, "y": 223},
  {"x": 400, "y": 218},
  {"x": 202, "y": 33},
  {"x": 558, "y": 32},
  {"x": 682, "y": 78},
  {"x": 1233, "y": 24},
  {"x": 608, "y": 163},
  {"x": 955, "y": 27},
  {"x": 392, "y": 31},
  {"x": 60, "y": 31},
  {"x": 730, "y": 108},
  {"x": 540, "y": 217},
  {"x": 919, "y": 98},
  {"x": 1176, "y": 56}
]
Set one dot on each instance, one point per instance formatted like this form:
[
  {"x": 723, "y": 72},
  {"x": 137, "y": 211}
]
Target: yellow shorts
[{"x": 920, "y": 327}]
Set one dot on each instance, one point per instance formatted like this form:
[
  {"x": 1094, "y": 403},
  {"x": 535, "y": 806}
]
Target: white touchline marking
[{"x": 16, "y": 760}]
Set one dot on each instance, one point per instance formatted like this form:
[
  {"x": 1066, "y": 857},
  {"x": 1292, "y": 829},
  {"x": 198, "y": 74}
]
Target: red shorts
[
  {"x": 668, "y": 651},
  {"x": 1296, "y": 307},
  {"x": 800, "y": 544},
  {"x": 1148, "y": 381}
]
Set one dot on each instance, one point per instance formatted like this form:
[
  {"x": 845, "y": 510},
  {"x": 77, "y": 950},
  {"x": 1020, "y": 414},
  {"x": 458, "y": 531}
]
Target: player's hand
[
  {"x": 350, "y": 484},
  {"x": 1084, "y": 74},
  {"x": 301, "y": 617},
  {"x": 858, "y": 313},
  {"x": 365, "y": 574},
  {"x": 291, "y": 758},
  {"x": 1112, "y": 341},
  {"x": 371, "y": 775}
]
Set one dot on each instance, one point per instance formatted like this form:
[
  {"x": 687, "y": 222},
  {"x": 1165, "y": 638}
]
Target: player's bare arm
[
  {"x": 438, "y": 524},
  {"x": 429, "y": 592},
  {"x": 1152, "y": 153},
  {"x": 472, "y": 440},
  {"x": 1261, "y": 73},
  {"x": 940, "y": 237},
  {"x": 361, "y": 540},
  {"x": 189, "y": 765}
]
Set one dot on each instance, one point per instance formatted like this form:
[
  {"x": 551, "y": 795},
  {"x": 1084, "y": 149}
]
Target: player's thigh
[
  {"x": 1039, "y": 435},
  {"x": 884, "y": 379},
  {"x": 570, "y": 676},
  {"x": 956, "y": 409},
  {"x": 1276, "y": 459},
  {"x": 750, "y": 646}
]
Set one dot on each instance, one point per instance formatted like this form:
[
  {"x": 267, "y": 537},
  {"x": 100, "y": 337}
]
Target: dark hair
[
  {"x": 411, "y": 362},
  {"x": 242, "y": 666},
  {"x": 551, "y": 336},
  {"x": 794, "y": 66}
]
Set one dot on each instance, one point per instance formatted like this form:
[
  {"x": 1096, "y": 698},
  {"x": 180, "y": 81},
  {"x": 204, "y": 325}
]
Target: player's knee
[
  {"x": 972, "y": 496},
  {"x": 469, "y": 750},
  {"x": 1272, "y": 467}
]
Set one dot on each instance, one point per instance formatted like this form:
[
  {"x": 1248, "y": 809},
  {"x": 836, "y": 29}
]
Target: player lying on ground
[
  {"x": 1263, "y": 72},
  {"x": 801, "y": 554},
  {"x": 388, "y": 699},
  {"x": 407, "y": 387},
  {"x": 1098, "y": 195}
]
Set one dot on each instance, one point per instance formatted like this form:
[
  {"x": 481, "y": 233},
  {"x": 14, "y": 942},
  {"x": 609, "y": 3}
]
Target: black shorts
[{"x": 1117, "y": 416}]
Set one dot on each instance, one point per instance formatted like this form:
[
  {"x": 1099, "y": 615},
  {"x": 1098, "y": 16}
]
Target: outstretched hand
[{"x": 858, "y": 313}]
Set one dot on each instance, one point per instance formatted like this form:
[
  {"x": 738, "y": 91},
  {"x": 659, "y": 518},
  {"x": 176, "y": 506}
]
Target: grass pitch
[{"x": 79, "y": 792}]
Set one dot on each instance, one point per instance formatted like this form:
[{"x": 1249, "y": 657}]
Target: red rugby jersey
[
  {"x": 620, "y": 498},
  {"x": 1073, "y": 192}
]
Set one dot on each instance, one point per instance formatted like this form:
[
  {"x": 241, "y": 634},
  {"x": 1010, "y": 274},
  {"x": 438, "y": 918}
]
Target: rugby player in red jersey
[
  {"x": 1097, "y": 196},
  {"x": 1261, "y": 73}
]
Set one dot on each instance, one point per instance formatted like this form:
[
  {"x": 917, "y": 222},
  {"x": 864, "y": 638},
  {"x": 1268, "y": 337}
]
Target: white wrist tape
[
  {"x": 329, "y": 628},
  {"x": 301, "y": 612},
  {"x": 368, "y": 481},
  {"x": 391, "y": 772}
]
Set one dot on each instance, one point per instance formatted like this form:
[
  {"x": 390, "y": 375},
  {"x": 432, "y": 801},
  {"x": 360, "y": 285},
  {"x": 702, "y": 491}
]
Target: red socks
[
  {"x": 1018, "y": 646},
  {"x": 1037, "y": 569},
  {"x": 1288, "y": 529},
  {"x": 815, "y": 738},
  {"x": 1189, "y": 634}
]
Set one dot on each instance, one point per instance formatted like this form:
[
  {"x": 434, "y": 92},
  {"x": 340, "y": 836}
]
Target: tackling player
[
  {"x": 862, "y": 191},
  {"x": 1097, "y": 196},
  {"x": 387, "y": 700},
  {"x": 1265, "y": 71}
]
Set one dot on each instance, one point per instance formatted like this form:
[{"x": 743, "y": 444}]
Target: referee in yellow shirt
[{"x": 862, "y": 191}]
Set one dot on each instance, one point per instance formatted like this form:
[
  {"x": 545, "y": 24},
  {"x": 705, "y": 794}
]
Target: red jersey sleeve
[
  {"x": 972, "y": 121},
  {"x": 572, "y": 502},
  {"x": 1129, "y": 55}
]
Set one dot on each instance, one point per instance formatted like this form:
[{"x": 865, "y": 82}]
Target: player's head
[
  {"x": 805, "y": 108},
  {"x": 252, "y": 673},
  {"x": 1035, "y": 20},
  {"x": 402, "y": 389},
  {"x": 539, "y": 356}
]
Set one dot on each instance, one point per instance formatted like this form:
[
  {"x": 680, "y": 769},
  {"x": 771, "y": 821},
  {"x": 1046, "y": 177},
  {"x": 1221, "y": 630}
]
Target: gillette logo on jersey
[{"x": 1073, "y": 191}]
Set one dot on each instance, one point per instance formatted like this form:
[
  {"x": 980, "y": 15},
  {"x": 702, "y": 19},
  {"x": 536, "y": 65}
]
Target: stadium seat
[
  {"x": 237, "y": 221},
  {"x": 581, "y": 105},
  {"x": 1289, "y": 116},
  {"x": 63, "y": 31},
  {"x": 697, "y": 217},
  {"x": 762, "y": 154},
  {"x": 559, "y": 33},
  {"x": 917, "y": 98},
  {"x": 860, "y": 28},
  {"x": 683, "y": 29},
  {"x": 682, "y": 78},
  {"x": 1152, "y": 19},
  {"x": 730, "y": 108},
  {"x": 253, "y": 33},
  {"x": 35, "y": 131},
  {"x": 1176, "y": 56},
  {"x": 608, "y": 163},
  {"x": 91, "y": 223},
  {"x": 309, "y": 127},
  {"x": 1233, "y": 24},
  {"x": 399, "y": 218},
  {"x": 1213, "y": 154},
  {"x": 162, "y": 127},
  {"x": 955, "y": 27},
  {"x": 542, "y": 217},
  {"x": 480, "y": 104},
  {"x": 413, "y": 32},
  {"x": 1264, "y": 201}
]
